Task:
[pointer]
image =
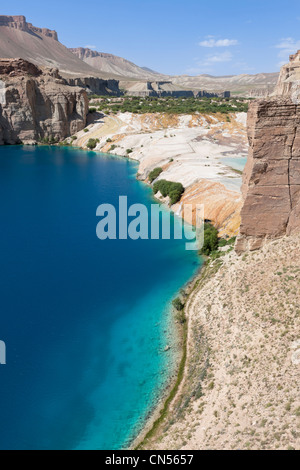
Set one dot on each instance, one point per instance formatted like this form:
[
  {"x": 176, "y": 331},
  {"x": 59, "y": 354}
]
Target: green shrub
[
  {"x": 49, "y": 140},
  {"x": 108, "y": 140},
  {"x": 154, "y": 174},
  {"x": 178, "y": 304},
  {"x": 113, "y": 147},
  {"x": 92, "y": 143},
  {"x": 168, "y": 188},
  {"x": 180, "y": 317},
  {"x": 128, "y": 151},
  {"x": 224, "y": 242},
  {"x": 92, "y": 110},
  {"x": 175, "y": 197},
  {"x": 211, "y": 241},
  {"x": 85, "y": 130}
]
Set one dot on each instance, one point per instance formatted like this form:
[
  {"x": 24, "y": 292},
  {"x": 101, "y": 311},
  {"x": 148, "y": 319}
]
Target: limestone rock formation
[
  {"x": 96, "y": 86},
  {"x": 289, "y": 80},
  {"x": 271, "y": 182},
  {"x": 37, "y": 104},
  {"x": 20, "y": 23},
  {"x": 156, "y": 89}
]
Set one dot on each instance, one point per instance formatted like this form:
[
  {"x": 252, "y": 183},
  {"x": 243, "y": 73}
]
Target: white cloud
[
  {"x": 211, "y": 42},
  {"x": 287, "y": 46},
  {"x": 216, "y": 58},
  {"x": 88, "y": 46},
  {"x": 207, "y": 64}
]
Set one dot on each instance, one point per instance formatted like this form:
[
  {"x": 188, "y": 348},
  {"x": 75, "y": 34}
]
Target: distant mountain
[
  {"x": 150, "y": 70},
  {"x": 260, "y": 84},
  {"x": 112, "y": 64},
  {"x": 19, "y": 39}
]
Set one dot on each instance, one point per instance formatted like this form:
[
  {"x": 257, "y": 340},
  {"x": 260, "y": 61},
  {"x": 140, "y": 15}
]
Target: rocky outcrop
[
  {"x": 289, "y": 80},
  {"x": 36, "y": 104},
  {"x": 156, "y": 89},
  {"x": 207, "y": 94},
  {"x": 96, "y": 86},
  {"x": 20, "y": 23},
  {"x": 221, "y": 206},
  {"x": 18, "y": 67},
  {"x": 271, "y": 181}
]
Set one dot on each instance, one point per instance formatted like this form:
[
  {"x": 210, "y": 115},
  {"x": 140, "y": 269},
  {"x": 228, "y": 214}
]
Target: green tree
[
  {"x": 154, "y": 174},
  {"x": 92, "y": 143},
  {"x": 211, "y": 241}
]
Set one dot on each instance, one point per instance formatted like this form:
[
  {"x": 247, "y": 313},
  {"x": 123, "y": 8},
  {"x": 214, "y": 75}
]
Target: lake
[{"x": 85, "y": 322}]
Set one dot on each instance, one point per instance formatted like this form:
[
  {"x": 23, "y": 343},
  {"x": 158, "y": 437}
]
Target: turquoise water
[
  {"x": 238, "y": 163},
  {"x": 85, "y": 321}
]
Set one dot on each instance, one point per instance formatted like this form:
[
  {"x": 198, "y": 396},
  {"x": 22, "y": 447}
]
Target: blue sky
[{"x": 176, "y": 37}]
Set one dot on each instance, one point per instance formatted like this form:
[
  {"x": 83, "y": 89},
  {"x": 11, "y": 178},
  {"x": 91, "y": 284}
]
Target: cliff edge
[
  {"x": 271, "y": 180},
  {"x": 37, "y": 104}
]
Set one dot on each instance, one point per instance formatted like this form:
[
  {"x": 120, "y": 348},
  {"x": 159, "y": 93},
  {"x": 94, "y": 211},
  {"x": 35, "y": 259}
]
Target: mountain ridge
[
  {"x": 263, "y": 83},
  {"x": 20, "y": 39}
]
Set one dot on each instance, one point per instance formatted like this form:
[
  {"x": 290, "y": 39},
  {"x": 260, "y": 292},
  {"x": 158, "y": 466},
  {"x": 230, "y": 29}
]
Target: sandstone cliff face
[
  {"x": 96, "y": 86},
  {"x": 289, "y": 80},
  {"x": 271, "y": 181},
  {"x": 37, "y": 104}
]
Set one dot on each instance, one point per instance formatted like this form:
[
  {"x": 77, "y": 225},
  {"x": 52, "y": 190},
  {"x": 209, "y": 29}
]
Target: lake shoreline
[
  {"x": 160, "y": 409},
  {"x": 171, "y": 388}
]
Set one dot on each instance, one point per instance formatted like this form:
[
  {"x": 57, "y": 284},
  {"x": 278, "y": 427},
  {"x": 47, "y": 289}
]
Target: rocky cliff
[
  {"x": 115, "y": 65},
  {"x": 271, "y": 181},
  {"x": 20, "y": 23},
  {"x": 41, "y": 47},
  {"x": 96, "y": 86},
  {"x": 37, "y": 103},
  {"x": 289, "y": 80},
  {"x": 155, "y": 89}
]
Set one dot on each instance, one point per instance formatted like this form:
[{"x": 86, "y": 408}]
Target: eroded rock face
[
  {"x": 95, "y": 85},
  {"x": 20, "y": 23},
  {"x": 18, "y": 67},
  {"x": 36, "y": 104},
  {"x": 271, "y": 180},
  {"x": 289, "y": 80},
  {"x": 271, "y": 183}
]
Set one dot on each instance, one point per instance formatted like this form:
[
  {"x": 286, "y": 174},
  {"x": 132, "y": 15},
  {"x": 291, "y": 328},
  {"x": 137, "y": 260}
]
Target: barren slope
[
  {"x": 19, "y": 39},
  {"x": 261, "y": 84},
  {"x": 114, "y": 65},
  {"x": 241, "y": 388}
]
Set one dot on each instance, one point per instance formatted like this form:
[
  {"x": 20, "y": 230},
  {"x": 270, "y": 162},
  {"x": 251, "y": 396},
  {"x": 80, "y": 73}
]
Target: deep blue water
[{"x": 85, "y": 321}]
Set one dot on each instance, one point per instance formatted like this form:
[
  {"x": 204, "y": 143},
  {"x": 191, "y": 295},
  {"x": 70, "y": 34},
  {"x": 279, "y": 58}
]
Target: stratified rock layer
[
  {"x": 271, "y": 181},
  {"x": 289, "y": 80},
  {"x": 271, "y": 184},
  {"x": 37, "y": 104},
  {"x": 20, "y": 23}
]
